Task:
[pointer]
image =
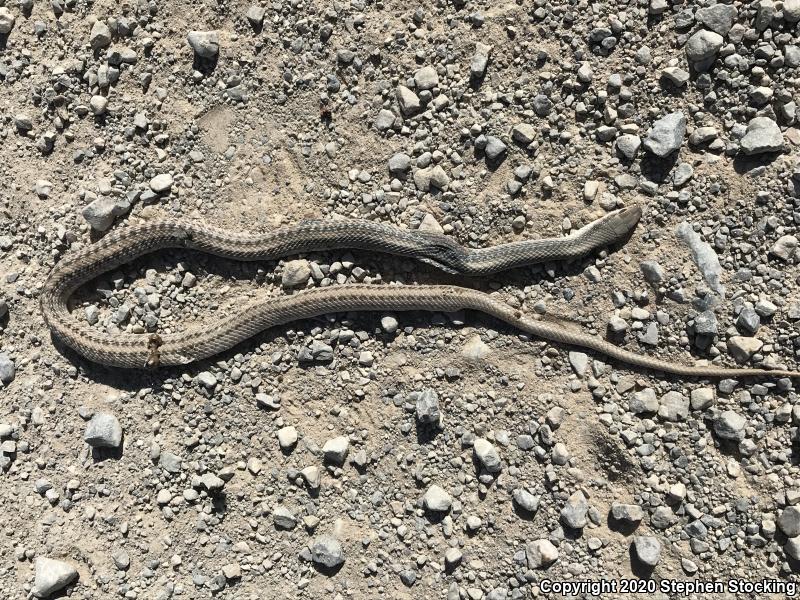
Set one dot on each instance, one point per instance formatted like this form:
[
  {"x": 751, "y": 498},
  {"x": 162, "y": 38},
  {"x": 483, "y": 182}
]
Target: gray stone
[
  {"x": 487, "y": 454},
  {"x": 702, "y": 398},
  {"x": 703, "y": 256},
  {"x": 792, "y": 547},
  {"x": 648, "y": 549},
  {"x": 643, "y": 401},
  {"x": 743, "y": 348},
  {"x": 161, "y": 183},
  {"x": 762, "y": 135},
  {"x": 791, "y": 10},
  {"x": 675, "y": 75},
  {"x": 408, "y": 101},
  {"x": 789, "y": 521},
  {"x": 578, "y": 361},
  {"x": 51, "y": 576},
  {"x": 748, "y": 321},
  {"x": 283, "y": 518},
  {"x": 495, "y": 148},
  {"x": 426, "y": 78},
  {"x": 204, "y": 43},
  {"x": 335, "y": 450},
  {"x": 730, "y": 425},
  {"x": 718, "y": 18},
  {"x": 287, "y": 437},
  {"x": 399, "y": 164},
  {"x": 384, "y": 120},
  {"x": 652, "y": 271},
  {"x": 663, "y": 518},
  {"x": 785, "y": 247},
  {"x": 573, "y": 514},
  {"x": 296, "y": 273},
  {"x": 673, "y": 406},
  {"x": 427, "y": 408},
  {"x": 122, "y": 560},
  {"x": 8, "y": 369},
  {"x": 327, "y": 551},
  {"x": 765, "y": 14},
  {"x": 437, "y": 499},
  {"x": 100, "y": 213},
  {"x": 103, "y": 431},
  {"x": 212, "y": 483},
  {"x": 682, "y": 174},
  {"x": 666, "y": 134},
  {"x": 255, "y": 16},
  {"x": 480, "y": 61},
  {"x": 523, "y": 133},
  {"x": 7, "y": 20},
  {"x": 703, "y": 46},
  {"x": 540, "y": 554},
  {"x": 525, "y": 500},
  {"x": 100, "y": 35},
  {"x": 628, "y": 145},
  {"x": 627, "y": 513}
]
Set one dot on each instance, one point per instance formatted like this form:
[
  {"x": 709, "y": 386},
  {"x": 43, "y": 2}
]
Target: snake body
[{"x": 151, "y": 350}]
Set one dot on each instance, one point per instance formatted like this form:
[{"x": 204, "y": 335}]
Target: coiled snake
[{"x": 152, "y": 350}]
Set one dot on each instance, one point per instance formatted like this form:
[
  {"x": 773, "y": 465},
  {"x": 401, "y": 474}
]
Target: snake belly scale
[{"x": 152, "y": 350}]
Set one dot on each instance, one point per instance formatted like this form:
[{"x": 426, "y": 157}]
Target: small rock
[
  {"x": 437, "y": 499},
  {"x": 648, "y": 549},
  {"x": 762, "y": 135},
  {"x": 426, "y": 78},
  {"x": 7, "y": 20},
  {"x": 540, "y": 554},
  {"x": 525, "y": 500},
  {"x": 162, "y": 183},
  {"x": 427, "y": 408},
  {"x": 204, "y": 43},
  {"x": 789, "y": 521},
  {"x": 785, "y": 247},
  {"x": 7, "y": 368},
  {"x": 673, "y": 406},
  {"x": 487, "y": 454},
  {"x": 666, "y": 134},
  {"x": 703, "y": 46},
  {"x": 51, "y": 576},
  {"x": 296, "y": 273},
  {"x": 743, "y": 348},
  {"x": 103, "y": 431},
  {"x": 326, "y": 551},
  {"x": 408, "y": 101},
  {"x": 730, "y": 425},
  {"x": 573, "y": 514},
  {"x": 627, "y": 513},
  {"x": 100, "y": 35},
  {"x": 335, "y": 450},
  {"x": 287, "y": 437}
]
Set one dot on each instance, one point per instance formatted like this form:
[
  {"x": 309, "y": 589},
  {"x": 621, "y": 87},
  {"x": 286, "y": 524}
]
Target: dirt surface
[{"x": 308, "y": 461}]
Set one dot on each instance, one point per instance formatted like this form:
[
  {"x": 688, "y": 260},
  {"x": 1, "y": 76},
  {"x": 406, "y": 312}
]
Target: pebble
[
  {"x": 437, "y": 499},
  {"x": 762, "y": 135},
  {"x": 730, "y": 425},
  {"x": 487, "y": 454},
  {"x": 204, "y": 43},
  {"x": 7, "y": 21},
  {"x": 540, "y": 554},
  {"x": 327, "y": 552},
  {"x": 52, "y": 576},
  {"x": 161, "y": 184},
  {"x": 335, "y": 450},
  {"x": 287, "y": 437},
  {"x": 427, "y": 408},
  {"x": 103, "y": 431},
  {"x": 525, "y": 500},
  {"x": 648, "y": 549},
  {"x": 666, "y": 134},
  {"x": 574, "y": 512},
  {"x": 296, "y": 273},
  {"x": 7, "y": 368}
]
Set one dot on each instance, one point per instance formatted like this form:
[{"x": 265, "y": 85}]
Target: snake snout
[{"x": 626, "y": 219}]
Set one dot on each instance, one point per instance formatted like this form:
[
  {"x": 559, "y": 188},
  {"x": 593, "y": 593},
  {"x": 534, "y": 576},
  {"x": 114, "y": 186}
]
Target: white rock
[{"x": 52, "y": 576}]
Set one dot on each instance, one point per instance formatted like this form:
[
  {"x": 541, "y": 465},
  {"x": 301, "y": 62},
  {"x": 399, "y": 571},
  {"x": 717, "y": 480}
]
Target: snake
[{"x": 150, "y": 350}]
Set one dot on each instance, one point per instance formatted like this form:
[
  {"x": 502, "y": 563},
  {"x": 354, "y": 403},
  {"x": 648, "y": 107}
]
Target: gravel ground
[{"x": 408, "y": 455}]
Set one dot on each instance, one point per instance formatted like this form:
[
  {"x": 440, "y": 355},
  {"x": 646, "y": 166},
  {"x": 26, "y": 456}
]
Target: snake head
[{"x": 624, "y": 220}]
